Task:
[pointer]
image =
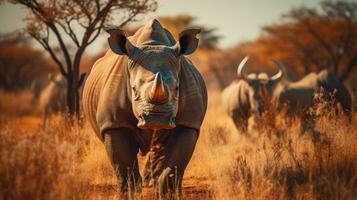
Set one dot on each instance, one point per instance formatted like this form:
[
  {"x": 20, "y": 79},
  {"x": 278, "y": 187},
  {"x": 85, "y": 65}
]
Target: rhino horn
[
  {"x": 280, "y": 73},
  {"x": 157, "y": 93},
  {"x": 241, "y": 67}
]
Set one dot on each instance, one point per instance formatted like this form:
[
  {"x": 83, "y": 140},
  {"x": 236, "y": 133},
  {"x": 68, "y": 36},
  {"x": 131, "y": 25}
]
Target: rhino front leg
[
  {"x": 179, "y": 150},
  {"x": 122, "y": 150}
]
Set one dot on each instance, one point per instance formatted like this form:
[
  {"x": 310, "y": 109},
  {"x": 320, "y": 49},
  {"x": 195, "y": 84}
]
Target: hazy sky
[{"x": 236, "y": 20}]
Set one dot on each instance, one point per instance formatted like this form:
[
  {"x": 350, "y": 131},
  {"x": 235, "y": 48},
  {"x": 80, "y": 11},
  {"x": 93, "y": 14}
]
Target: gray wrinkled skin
[
  {"x": 53, "y": 97},
  {"x": 144, "y": 88}
]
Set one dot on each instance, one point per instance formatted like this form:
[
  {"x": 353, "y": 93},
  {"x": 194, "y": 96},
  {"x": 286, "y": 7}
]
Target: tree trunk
[
  {"x": 73, "y": 96},
  {"x": 75, "y": 83}
]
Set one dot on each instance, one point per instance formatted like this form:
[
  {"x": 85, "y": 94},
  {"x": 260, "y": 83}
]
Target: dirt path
[{"x": 193, "y": 188}]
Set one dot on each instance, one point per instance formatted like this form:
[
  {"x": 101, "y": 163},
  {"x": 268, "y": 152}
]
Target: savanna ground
[{"x": 277, "y": 162}]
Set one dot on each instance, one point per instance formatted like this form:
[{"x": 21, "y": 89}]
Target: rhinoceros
[
  {"x": 53, "y": 97},
  {"x": 245, "y": 98},
  {"x": 144, "y": 87}
]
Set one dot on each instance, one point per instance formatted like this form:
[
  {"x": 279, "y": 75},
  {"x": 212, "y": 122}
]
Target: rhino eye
[{"x": 177, "y": 88}]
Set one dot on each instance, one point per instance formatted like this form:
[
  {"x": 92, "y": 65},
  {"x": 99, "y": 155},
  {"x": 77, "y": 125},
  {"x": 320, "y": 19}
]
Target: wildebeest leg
[
  {"x": 241, "y": 124},
  {"x": 308, "y": 126},
  {"x": 179, "y": 149},
  {"x": 122, "y": 150}
]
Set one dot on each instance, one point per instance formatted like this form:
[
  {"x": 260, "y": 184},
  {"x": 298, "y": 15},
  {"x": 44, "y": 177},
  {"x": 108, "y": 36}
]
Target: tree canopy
[
  {"x": 311, "y": 39},
  {"x": 52, "y": 22},
  {"x": 175, "y": 24}
]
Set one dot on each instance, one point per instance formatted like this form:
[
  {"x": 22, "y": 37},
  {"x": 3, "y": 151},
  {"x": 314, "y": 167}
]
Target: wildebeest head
[
  {"x": 153, "y": 72},
  {"x": 261, "y": 85},
  {"x": 58, "y": 80}
]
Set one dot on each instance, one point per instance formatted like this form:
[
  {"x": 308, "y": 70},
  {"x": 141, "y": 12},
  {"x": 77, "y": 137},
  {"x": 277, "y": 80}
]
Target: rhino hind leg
[{"x": 122, "y": 151}]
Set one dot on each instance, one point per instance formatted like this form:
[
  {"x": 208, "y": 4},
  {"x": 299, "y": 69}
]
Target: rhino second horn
[{"x": 157, "y": 92}]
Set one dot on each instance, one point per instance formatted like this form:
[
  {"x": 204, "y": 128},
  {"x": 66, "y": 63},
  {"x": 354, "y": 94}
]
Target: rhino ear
[
  {"x": 119, "y": 43},
  {"x": 188, "y": 41}
]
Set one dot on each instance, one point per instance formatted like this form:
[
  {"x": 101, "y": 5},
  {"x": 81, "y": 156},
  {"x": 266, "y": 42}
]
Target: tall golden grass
[{"x": 276, "y": 162}]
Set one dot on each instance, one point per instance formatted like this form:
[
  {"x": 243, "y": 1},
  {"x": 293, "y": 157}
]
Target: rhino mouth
[{"x": 156, "y": 121}]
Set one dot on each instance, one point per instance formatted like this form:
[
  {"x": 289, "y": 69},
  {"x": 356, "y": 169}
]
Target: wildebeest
[
  {"x": 53, "y": 96},
  {"x": 298, "y": 97},
  {"x": 249, "y": 95},
  {"x": 144, "y": 87},
  {"x": 244, "y": 98}
]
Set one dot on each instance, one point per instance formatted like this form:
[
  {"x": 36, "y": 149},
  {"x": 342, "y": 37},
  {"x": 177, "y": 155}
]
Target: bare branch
[
  {"x": 84, "y": 9},
  {"x": 94, "y": 36},
  {"x": 68, "y": 29},
  {"x": 44, "y": 43},
  {"x": 59, "y": 16}
]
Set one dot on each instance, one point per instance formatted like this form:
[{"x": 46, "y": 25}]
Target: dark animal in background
[
  {"x": 298, "y": 97},
  {"x": 244, "y": 98},
  {"x": 145, "y": 88},
  {"x": 249, "y": 96}
]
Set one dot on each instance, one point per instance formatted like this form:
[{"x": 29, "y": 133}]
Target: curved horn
[
  {"x": 157, "y": 92},
  {"x": 241, "y": 66},
  {"x": 280, "y": 73}
]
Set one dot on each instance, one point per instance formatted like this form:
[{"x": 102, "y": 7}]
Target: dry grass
[{"x": 275, "y": 163}]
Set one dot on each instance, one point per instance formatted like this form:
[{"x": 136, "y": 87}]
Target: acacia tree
[
  {"x": 317, "y": 38},
  {"x": 53, "y": 22},
  {"x": 18, "y": 68}
]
